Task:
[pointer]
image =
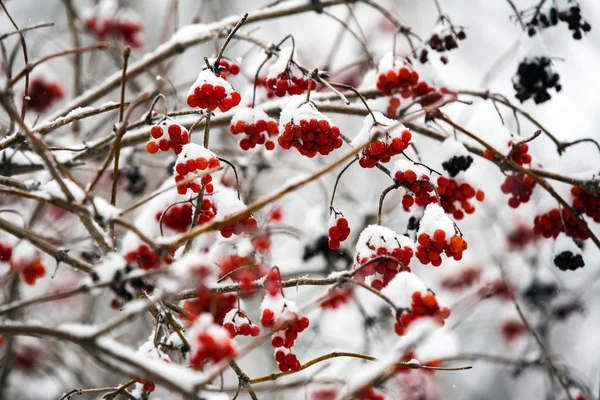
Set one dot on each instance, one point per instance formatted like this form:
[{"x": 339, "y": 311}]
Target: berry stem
[
  {"x": 382, "y": 197},
  {"x": 237, "y": 26},
  {"x": 355, "y": 91},
  {"x": 337, "y": 180},
  {"x": 148, "y": 118},
  {"x": 237, "y": 180}
]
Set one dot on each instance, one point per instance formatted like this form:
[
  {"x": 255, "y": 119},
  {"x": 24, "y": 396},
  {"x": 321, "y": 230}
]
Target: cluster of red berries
[
  {"x": 375, "y": 242},
  {"x": 553, "y": 222},
  {"x": 287, "y": 335},
  {"x": 586, "y": 203},
  {"x": 145, "y": 257},
  {"x": 5, "y": 252},
  {"x": 118, "y": 28},
  {"x": 217, "y": 304},
  {"x": 382, "y": 150},
  {"x": 261, "y": 243},
  {"x": 256, "y": 127},
  {"x": 423, "y": 305},
  {"x": 287, "y": 361},
  {"x": 463, "y": 280},
  {"x": 245, "y": 224},
  {"x": 290, "y": 84},
  {"x": 511, "y": 330},
  {"x": 226, "y": 67},
  {"x": 310, "y": 136},
  {"x": 195, "y": 158},
  {"x": 431, "y": 248},
  {"x": 422, "y": 192},
  {"x": 147, "y": 386},
  {"x": 240, "y": 325},
  {"x": 521, "y": 154},
  {"x": 207, "y": 211},
  {"x": 393, "y": 106},
  {"x": 452, "y": 193},
  {"x": 520, "y": 187},
  {"x": 338, "y": 230},
  {"x": 209, "y": 347},
  {"x": 520, "y": 237},
  {"x": 369, "y": 394},
  {"x": 336, "y": 298},
  {"x": 177, "y": 218},
  {"x": 403, "y": 78},
  {"x": 251, "y": 271},
  {"x": 43, "y": 94},
  {"x": 212, "y": 92},
  {"x": 33, "y": 271},
  {"x": 166, "y": 135}
]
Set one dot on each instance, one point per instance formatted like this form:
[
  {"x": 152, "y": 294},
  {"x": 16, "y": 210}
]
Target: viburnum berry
[
  {"x": 369, "y": 394},
  {"x": 286, "y": 337},
  {"x": 207, "y": 212},
  {"x": 227, "y": 204},
  {"x": 520, "y": 237},
  {"x": 110, "y": 22},
  {"x": 424, "y": 304},
  {"x": 395, "y": 74},
  {"x": 177, "y": 218},
  {"x": 415, "y": 179},
  {"x": 393, "y": 106},
  {"x": 285, "y": 76},
  {"x": 436, "y": 235},
  {"x": 5, "y": 252},
  {"x": 521, "y": 154},
  {"x": 445, "y": 38},
  {"x": 144, "y": 257},
  {"x": 303, "y": 127},
  {"x": 567, "y": 255},
  {"x": 210, "y": 341},
  {"x": 212, "y": 92},
  {"x": 534, "y": 78},
  {"x": 336, "y": 298},
  {"x": 166, "y": 135},
  {"x": 286, "y": 360},
  {"x": 378, "y": 241},
  {"x": 338, "y": 230},
  {"x": 457, "y": 164},
  {"x": 237, "y": 323},
  {"x": 569, "y": 13},
  {"x": 511, "y": 330},
  {"x": 387, "y": 137},
  {"x": 455, "y": 198},
  {"x": 27, "y": 261},
  {"x": 520, "y": 187},
  {"x": 244, "y": 270},
  {"x": 465, "y": 279},
  {"x": 225, "y": 67},
  {"x": 255, "y": 127},
  {"x": 586, "y": 203},
  {"x": 192, "y": 158},
  {"x": 114, "y": 268},
  {"x": 551, "y": 223},
  {"x": 217, "y": 304},
  {"x": 43, "y": 94}
]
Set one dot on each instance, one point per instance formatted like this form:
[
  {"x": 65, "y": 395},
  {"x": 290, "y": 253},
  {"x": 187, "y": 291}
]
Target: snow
[
  {"x": 402, "y": 287},
  {"x": 380, "y": 236},
  {"x": 105, "y": 210},
  {"x": 298, "y": 109},
  {"x": 53, "y": 189},
  {"x": 207, "y": 76},
  {"x": 110, "y": 264},
  {"x": 227, "y": 203},
  {"x": 23, "y": 255},
  {"x": 281, "y": 65},
  {"x": 564, "y": 243},
  {"x": 435, "y": 218},
  {"x": 249, "y": 116},
  {"x": 371, "y": 130}
]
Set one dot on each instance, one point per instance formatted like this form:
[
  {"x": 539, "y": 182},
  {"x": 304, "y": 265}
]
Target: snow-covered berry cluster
[
  {"x": 443, "y": 39},
  {"x": 568, "y": 12},
  {"x": 436, "y": 235},
  {"x": 521, "y": 154},
  {"x": 43, "y": 94},
  {"x": 567, "y": 255},
  {"x": 146, "y": 258},
  {"x": 237, "y": 323},
  {"x": 210, "y": 342},
  {"x": 338, "y": 230},
  {"x": 192, "y": 158},
  {"x": 114, "y": 269},
  {"x": 212, "y": 92},
  {"x": 27, "y": 261},
  {"x": 217, "y": 304},
  {"x": 396, "y": 252},
  {"x": 255, "y": 127},
  {"x": 285, "y": 76},
  {"x": 519, "y": 187},
  {"x": 534, "y": 78},
  {"x": 283, "y": 315},
  {"x": 167, "y": 135},
  {"x": 225, "y": 67},
  {"x": 303, "y": 127},
  {"x": 396, "y": 74},
  {"x": 553, "y": 222},
  {"x": 227, "y": 204},
  {"x": 424, "y": 304},
  {"x": 387, "y": 138},
  {"x": 244, "y": 270},
  {"x": 415, "y": 179}
]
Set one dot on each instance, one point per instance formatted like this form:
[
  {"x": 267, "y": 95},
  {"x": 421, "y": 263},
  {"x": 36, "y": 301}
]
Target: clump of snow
[
  {"x": 401, "y": 288},
  {"x": 207, "y": 76},
  {"x": 195, "y": 268},
  {"x": 435, "y": 218},
  {"x": 23, "y": 255},
  {"x": 283, "y": 62},
  {"x": 53, "y": 189},
  {"x": 298, "y": 109},
  {"x": 452, "y": 148},
  {"x": 227, "y": 203},
  {"x": 106, "y": 210},
  {"x": 564, "y": 243},
  {"x": 377, "y": 236},
  {"x": 249, "y": 116},
  {"x": 108, "y": 267},
  {"x": 194, "y": 151},
  {"x": 405, "y": 165},
  {"x": 148, "y": 350},
  {"x": 383, "y": 129}
]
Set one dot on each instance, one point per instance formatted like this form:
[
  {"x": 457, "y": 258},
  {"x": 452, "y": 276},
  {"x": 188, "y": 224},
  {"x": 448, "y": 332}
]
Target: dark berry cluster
[
  {"x": 255, "y": 127},
  {"x": 534, "y": 78},
  {"x": 135, "y": 181},
  {"x": 571, "y": 15},
  {"x": 6, "y": 251},
  {"x": 210, "y": 92},
  {"x": 338, "y": 230},
  {"x": 422, "y": 305},
  {"x": 430, "y": 248},
  {"x": 567, "y": 261},
  {"x": 123, "y": 288},
  {"x": 442, "y": 42},
  {"x": 586, "y": 203},
  {"x": 166, "y": 135},
  {"x": 43, "y": 94},
  {"x": 520, "y": 187},
  {"x": 457, "y": 164},
  {"x": 310, "y": 136},
  {"x": 454, "y": 197}
]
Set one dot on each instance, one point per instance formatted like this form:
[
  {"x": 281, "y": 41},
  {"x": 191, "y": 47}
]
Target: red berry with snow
[
  {"x": 144, "y": 257},
  {"x": 285, "y": 76},
  {"x": 456, "y": 197},
  {"x": 520, "y": 154},
  {"x": 27, "y": 260},
  {"x": 210, "y": 342},
  {"x": 217, "y": 304},
  {"x": 195, "y": 159},
  {"x": 303, "y": 127},
  {"x": 395, "y": 74},
  {"x": 387, "y": 138},
  {"x": 167, "y": 135},
  {"x": 424, "y": 304},
  {"x": 436, "y": 236},
  {"x": 237, "y": 323},
  {"x": 338, "y": 230},
  {"x": 255, "y": 127},
  {"x": 177, "y": 218},
  {"x": 212, "y": 92},
  {"x": 586, "y": 203}
]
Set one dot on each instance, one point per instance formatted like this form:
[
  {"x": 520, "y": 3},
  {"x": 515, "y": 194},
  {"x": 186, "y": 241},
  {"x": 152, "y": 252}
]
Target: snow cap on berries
[
  {"x": 378, "y": 236},
  {"x": 371, "y": 130},
  {"x": 435, "y": 219},
  {"x": 402, "y": 287},
  {"x": 298, "y": 109}
]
